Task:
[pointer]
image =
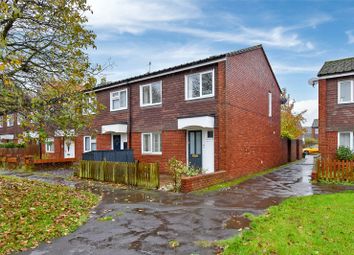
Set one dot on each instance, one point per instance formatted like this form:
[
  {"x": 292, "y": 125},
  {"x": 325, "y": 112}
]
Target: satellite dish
[{"x": 313, "y": 81}]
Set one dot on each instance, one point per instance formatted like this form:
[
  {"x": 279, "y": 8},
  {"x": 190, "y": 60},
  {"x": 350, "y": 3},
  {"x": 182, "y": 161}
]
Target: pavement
[{"x": 145, "y": 222}]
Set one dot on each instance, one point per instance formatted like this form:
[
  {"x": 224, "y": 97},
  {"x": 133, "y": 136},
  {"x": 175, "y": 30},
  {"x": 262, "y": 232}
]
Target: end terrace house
[
  {"x": 336, "y": 106},
  {"x": 218, "y": 113}
]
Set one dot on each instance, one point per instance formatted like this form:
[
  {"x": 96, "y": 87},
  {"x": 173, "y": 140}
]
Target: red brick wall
[
  {"x": 333, "y": 117},
  {"x": 189, "y": 184},
  {"x": 173, "y": 145},
  {"x": 252, "y": 139}
]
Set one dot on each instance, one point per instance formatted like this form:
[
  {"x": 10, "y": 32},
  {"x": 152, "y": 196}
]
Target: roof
[
  {"x": 162, "y": 72},
  {"x": 315, "y": 123},
  {"x": 338, "y": 66}
]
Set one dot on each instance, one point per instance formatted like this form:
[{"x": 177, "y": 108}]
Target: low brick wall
[{"x": 202, "y": 181}]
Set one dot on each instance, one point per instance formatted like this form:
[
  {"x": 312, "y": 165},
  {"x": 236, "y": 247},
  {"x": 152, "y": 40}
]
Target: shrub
[
  {"x": 12, "y": 145},
  {"x": 178, "y": 169},
  {"x": 344, "y": 153},
  {"x": 310, "y": 141}
]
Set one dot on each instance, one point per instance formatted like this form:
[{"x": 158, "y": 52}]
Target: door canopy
[
  {"x": 114, "y": 129},
  {"x": 196, "y": 122}
]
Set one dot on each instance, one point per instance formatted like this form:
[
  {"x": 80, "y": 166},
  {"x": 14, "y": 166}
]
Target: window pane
[
  {"x": 207, "y": 84},
  {"x": 344, "y": 139},
  {"x": 198, "y": 143},
  {"x": 115, "y": 104},
  {"x": 93, "y": 146},
  {"x": 156, "y": 142},
  {"x": 146, "y": 95},
  {"x": 191, "y": 143},
  {"x": 87, "y": 143},
  {"x": 146, "y": 143},
  {"x": 344, "y": 91},
  {"x": 156, "y": 93},
  {"x": 193, "y": 86},
  {"x": 123, "y": 99}
]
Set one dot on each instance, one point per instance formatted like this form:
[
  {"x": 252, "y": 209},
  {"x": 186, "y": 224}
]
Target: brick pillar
[{"x": 322, "y": 120}]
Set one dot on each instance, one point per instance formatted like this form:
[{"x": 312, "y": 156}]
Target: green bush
[
  {"x": 178, "y": 169},
  {"x": 310, "y": 141},
  {"x": 12, "y": 145},
  {"x": 344, "y": 153}
]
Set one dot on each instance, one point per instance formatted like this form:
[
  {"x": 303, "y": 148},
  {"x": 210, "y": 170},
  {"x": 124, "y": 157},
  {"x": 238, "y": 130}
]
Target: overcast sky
[{"x": 298, "y": 36}]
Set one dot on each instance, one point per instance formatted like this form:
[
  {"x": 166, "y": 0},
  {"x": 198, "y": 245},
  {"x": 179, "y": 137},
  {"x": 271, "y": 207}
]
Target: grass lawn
[
  {"x": 319, "y": 224},
  {"x": 32, "y": 212}
]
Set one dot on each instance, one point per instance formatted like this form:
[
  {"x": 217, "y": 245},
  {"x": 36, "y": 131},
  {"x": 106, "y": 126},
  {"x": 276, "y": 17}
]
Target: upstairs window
[
  {"x": 151, "y": 143},
  {"x": 345, "y": 92},
  {"x": 1, "y": 121},
  {"x": 151, "y": 94},
  {"x": 90, "y": 100},
  {"x": 10, "y": 120},
  {"x": 270, "y": 101},
  {"x": 19, "y": 118},
  {"x": 119, "y": 100},
  {"x": 199, "y": 85},
  {"x": 49, "y": 145},
  {"x": 90, "y": 143}
]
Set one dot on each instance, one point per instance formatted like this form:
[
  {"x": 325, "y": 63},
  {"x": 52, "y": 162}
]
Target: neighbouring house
[
  {"x": 314, "y": 129},
  {"x": 336, "y": 106},
  {"x": 218, "y": 113}
]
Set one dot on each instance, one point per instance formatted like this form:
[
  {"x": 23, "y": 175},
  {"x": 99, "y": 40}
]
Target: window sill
[
  {"x": 152, "y": 153},
  {"x": 199, "y": 98},
  {"x": 346, "y": 102},
  {"x": 120, "y": 109},
  {"x": 151, "y": 105},
  {"x": 50, "y": 152}
]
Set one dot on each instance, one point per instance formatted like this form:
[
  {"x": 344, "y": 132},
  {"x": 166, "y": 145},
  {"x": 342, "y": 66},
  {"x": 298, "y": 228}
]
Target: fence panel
[
  {"x": 134, "y": 174},
  {"x": 109, "y": 155},
  {"x": 337, "y": 170},
  {"x": 32, "y": 149}
]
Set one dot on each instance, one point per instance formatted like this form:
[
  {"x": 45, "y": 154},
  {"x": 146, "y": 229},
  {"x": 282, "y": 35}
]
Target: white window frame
[
  {"x": 150, "y": 89},
  {"x": 151, "y": 152},
  {"x": 19, "y": 119},
  {"x": 351, "y": 92},
  {"x": 351, "y": 138},
  {"x": 1, "y": 121},
  {"x": 90, "y": 101},
  {"x": 7, "y": 120},
  {"x": 111, "y": 100},
  {"x": 270, "y": 104},
  {"x": 200, "y": 85},
  {"x": 90, "y": 143},
  {"x": 47, "y": 149}
]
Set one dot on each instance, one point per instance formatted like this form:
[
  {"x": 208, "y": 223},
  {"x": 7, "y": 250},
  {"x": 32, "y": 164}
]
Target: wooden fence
[
  {"x": 144, "y": 175},
  {"x": 32, "y": 150},
  {"x": 334, "y": 170}
]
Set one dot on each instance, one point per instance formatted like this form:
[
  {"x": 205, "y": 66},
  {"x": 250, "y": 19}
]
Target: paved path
[{"x": 144, "y": 222}]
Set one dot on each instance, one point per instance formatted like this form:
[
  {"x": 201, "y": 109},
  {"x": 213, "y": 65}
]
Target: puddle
[{"x": 236, "y": 222}]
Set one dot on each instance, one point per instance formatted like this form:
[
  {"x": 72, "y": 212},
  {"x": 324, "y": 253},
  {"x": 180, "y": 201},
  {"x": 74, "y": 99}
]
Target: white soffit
[
  {"x": 59, "y": 133},
  {"x": 115, "y": 128},
  {"x": 7, "y": 137},
  {"x": 196, "y": 122}
]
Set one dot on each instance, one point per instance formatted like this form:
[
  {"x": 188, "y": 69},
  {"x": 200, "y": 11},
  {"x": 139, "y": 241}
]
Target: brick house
[
  {"x": 218, "y": 113},
  {"x": 336, "y": 106},
  {"x": 314, "y": 129}
]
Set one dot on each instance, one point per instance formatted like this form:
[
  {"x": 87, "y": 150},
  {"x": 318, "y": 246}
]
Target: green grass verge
[
  {"x": 32, "y": 212},
  {"x": 319, "y": 224},
  {"x": 237, "y": 181}
]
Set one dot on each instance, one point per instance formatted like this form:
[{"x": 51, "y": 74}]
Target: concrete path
[{"x": 145, "y": 222}]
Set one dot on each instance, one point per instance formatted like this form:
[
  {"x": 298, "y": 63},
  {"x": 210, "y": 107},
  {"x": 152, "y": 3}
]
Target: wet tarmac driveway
[{"x": 145, "y": 222}]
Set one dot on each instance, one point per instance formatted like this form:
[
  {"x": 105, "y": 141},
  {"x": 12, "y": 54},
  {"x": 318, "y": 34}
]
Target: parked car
[{"x": 311, "y": 150}]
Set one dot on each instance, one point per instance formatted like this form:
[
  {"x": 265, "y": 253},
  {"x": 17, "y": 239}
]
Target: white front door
[{"x": 69, "y": 149}]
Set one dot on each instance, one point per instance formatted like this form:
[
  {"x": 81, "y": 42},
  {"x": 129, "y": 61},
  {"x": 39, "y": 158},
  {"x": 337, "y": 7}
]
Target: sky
[{"x": 298, "y": 36}]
